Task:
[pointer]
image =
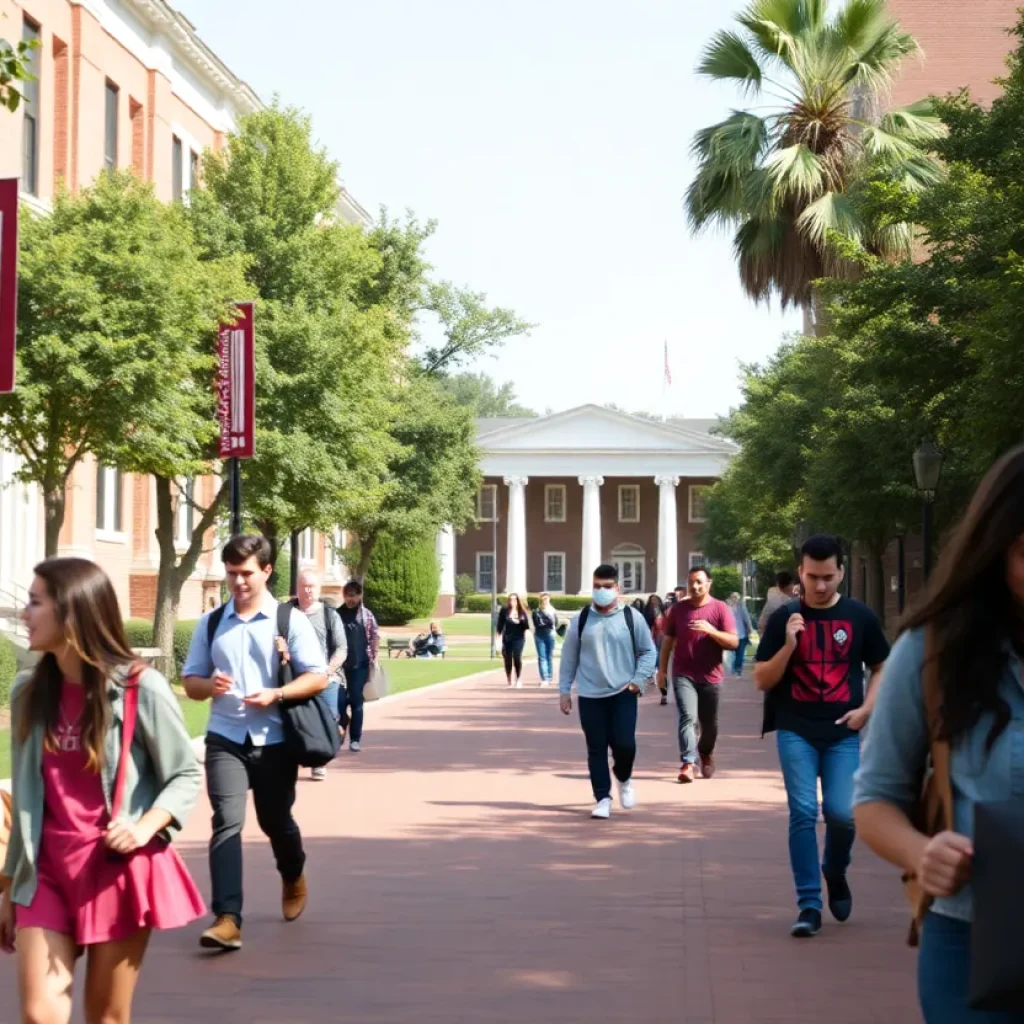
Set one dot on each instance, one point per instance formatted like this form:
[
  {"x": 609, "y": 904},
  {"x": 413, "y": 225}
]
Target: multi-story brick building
[{"x": 119, "y": 84}]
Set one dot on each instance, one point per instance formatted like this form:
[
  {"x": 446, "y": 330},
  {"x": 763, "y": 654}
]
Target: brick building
[{"x": 120, "y": 83}]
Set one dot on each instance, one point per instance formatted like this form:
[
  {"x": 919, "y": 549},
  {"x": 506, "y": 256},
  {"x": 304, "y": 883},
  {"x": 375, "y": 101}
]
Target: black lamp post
[{"x": 927, "y": 472}]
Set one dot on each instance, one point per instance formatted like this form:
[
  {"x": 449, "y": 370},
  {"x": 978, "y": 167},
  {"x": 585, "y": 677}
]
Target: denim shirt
[{"x": 896, "y": 746}]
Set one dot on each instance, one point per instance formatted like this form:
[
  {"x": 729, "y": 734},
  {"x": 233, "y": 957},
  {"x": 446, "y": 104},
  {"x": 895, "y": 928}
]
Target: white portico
[{"x": 586, "y": 486}]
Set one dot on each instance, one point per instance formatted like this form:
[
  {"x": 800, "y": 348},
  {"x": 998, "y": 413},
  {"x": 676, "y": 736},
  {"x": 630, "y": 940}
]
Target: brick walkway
[{"x": 456, "y": 878}]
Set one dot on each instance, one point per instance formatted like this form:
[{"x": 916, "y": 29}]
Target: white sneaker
[
  {"x": 318, "y": 774},
  {"x": 519, "y": 684},
  {"x": 627, "y": 795},
  {"x": 355, "y": 746},
  {"x": 603, "y": 808}
]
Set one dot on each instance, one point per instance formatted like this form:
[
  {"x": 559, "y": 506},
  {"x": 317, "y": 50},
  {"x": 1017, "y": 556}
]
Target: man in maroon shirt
[{"x": 697, "y": 631}]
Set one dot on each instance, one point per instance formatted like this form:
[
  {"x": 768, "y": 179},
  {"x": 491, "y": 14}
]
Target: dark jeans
[
  {"x": 803, "y": 763},
  {"x": 943, "y": 976},
  {"x": 698, "y": 705},
  {"x": 232, "y": 769},
  {"x": 352, "y": 695},
  {"x": 609, "y": 723},
  {"x": 737, "y": 658},
  {"x": 545, "y": 640},
  {"x": 512, "y": 652}
]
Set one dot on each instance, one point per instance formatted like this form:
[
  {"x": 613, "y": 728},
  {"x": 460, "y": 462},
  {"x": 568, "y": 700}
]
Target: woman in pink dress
[{"x": 104, "y": 774}]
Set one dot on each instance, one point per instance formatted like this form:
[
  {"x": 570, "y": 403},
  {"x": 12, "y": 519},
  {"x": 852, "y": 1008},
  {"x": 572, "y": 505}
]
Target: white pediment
[{"x": 591, "y": 428}]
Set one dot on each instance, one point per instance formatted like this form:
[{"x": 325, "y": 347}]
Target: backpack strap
[
  {"x": 627, "y": 613},
  {"x": 284, "y": 615},
  {"x": 329, "y": 614},
  {"x": 212, "y": 624},
  {"x": 582, "y": 621}
]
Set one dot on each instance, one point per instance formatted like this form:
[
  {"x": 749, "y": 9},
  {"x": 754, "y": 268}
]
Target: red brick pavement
[{"x": 456, "y": 877}]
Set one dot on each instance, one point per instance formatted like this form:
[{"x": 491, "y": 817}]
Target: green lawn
[{"x": 459, "y": 625}]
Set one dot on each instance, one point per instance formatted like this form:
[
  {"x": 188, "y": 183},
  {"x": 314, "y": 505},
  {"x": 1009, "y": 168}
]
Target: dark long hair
[
  {"x": 87, "y": 610},
  {"x": 654, "y": 607},
  {"x": 521, "y": 608},
  {"x": 968, "y": 605}
]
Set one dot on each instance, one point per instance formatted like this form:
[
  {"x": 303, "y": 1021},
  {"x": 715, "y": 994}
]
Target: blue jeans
[
  {"x": 352, "y": 697},
  {"x": 943, "y": 975},
  {"x": 737, "y": 658},
  {"x": 609, "y": 722},
  {"x": 545, "y": 641},
  {"x": 803, "y": 763}
]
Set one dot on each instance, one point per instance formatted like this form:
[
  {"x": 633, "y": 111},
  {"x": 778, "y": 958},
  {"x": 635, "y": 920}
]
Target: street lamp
[{"x": 927, "y": 472}]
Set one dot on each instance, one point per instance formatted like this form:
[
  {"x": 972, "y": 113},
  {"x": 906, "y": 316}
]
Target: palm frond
[
  {"x": 727, "y": 58},
  {"x": 796, "y": 173},
  {"x": 774, "y": 259},
  {"x": 874, "y": 62},
  {"x": 738, "y": 141},
  {"x": 916, "y": 123},
  {"x": 832, "y": 212},
  {"x": 886, "y": 147}
]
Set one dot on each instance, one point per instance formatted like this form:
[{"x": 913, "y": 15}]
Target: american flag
[{"x": 668, "y": 372}]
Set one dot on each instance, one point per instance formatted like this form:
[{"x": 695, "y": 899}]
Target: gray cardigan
[{"x": 163, "y": 772}]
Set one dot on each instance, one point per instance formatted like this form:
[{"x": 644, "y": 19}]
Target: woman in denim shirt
[{"x": 974, "y": 613}]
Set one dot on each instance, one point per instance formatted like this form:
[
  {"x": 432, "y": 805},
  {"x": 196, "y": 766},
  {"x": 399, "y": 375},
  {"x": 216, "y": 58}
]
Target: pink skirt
[{"x": 95, "y": 896}]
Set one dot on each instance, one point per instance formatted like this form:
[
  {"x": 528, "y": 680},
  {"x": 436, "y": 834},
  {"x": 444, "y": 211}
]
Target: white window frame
[
  {"x": 109, "y": 531},
  {"x": 698, "y": 560},
  {"x": 550, "y": 489},
  {"x": 184, "y": 514},
  {"x": 493, "y": 488},
  {"x": 554, "y": 554},
  {"x": 693, "y": 491},
  {"x": 307, "y": 546},
  {"x": 635, "y": 488},
  {"x": 494, "y": 568}
]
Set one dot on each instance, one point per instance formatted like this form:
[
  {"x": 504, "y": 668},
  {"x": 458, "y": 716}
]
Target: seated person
[{"x": 428, "y": 645}]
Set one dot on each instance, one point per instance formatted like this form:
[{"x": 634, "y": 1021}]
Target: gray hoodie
[{"x": 604, "y": 663}]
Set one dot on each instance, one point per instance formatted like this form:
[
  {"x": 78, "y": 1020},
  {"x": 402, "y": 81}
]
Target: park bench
[{"x": 402, "y": 646}]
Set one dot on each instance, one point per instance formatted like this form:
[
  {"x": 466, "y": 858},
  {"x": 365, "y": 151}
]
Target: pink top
[{"x": 74, "y": 801}]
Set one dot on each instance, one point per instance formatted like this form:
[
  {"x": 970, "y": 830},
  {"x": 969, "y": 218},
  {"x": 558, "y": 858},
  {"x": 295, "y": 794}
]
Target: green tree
[
  {"x": 15, "y": 67},
  {"x": 402, "y": 580},
  {"x": 485, "y": 396},
  {"x": 784, "y": 177}
]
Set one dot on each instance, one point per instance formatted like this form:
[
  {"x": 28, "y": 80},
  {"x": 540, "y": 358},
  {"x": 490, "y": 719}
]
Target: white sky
[{"x": 550, "y": 139}]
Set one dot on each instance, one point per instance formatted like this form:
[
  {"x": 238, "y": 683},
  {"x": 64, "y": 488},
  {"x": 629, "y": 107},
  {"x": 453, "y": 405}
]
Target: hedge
[
  {"x": 140, "y": 634},
  {"x": 403, "y": 581},
  {"x": 8, "y": 670},
  {"x": 563, "y": 602}
]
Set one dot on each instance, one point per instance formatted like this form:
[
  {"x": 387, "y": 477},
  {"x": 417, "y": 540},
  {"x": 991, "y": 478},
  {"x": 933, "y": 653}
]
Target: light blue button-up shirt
[{"x": 247, "y": 651}]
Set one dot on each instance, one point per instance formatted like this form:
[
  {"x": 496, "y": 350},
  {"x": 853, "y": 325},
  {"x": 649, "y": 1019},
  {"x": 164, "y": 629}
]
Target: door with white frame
[{"x": 630, "y": 560}]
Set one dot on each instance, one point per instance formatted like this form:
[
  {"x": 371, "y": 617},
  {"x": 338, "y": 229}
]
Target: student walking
[
  {"x": 744, "y": 628},
  {"x": 330, "y": 632},
  {"x": 512, "y": 626},
  {"x": 104, "y": 777},
  {"x": 810, "y": 666},
  {"x": 697, "y": 632},
  {"x": 608, "y": 653},
  {"x": 654, "y": 616},
  {"x": 545, "y": 625},
  {"x": 363, "y": 638},
  {"x": 233, "y": 660},
  {"x": 954, "y": 677}
]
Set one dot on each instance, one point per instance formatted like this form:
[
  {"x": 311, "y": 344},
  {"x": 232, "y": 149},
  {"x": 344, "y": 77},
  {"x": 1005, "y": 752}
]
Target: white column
[
  {"x": 515, "y": 555},
  {"x": 668, "y": 533},
  {"x": 591, "y": 550},
  {"x": 446, "y": 556}
]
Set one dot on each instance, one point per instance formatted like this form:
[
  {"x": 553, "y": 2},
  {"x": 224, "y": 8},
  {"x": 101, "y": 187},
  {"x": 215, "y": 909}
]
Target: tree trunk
[
  {"x": 876, "y": 581},
  {"x": 54, "y": 504},
  {"x": 366, "y": 546}
]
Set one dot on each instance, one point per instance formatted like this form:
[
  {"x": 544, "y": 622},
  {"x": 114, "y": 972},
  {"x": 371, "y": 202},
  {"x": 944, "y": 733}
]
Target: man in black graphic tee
[{"x": 810, "y": 666}]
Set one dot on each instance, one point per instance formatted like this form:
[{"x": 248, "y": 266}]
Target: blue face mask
[{"x": 604, "y": 597}]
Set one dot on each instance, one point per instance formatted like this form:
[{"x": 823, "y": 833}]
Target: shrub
[
  {"x": 726, "y": 580},
  {"x": 403, "y": 581},
  {"x": 140, "y": 634},
  {"x": 8, "y": 670},
  {"x": 281, "y": 581},
  {"x": 464, "y": 587}
]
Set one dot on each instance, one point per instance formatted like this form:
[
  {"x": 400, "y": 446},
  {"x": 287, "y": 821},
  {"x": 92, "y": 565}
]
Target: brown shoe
[
  {"x": 707, "y": 766},
  {"x": 225, "y": 934},
  {"x": 687, "y": 773},
  {"x": 293, "y": 898}
]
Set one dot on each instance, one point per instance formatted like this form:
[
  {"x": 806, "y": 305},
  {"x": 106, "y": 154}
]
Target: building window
[
  {"x": 554, "y": 572},
  {"x": 484, "y": 572},
  {"x": 177, "y": 155},
  {"x": 30, "y": 124},
  {"x": 697, "y": 560},
  {"x": 554, "y": 503},
  {"x": 629, "y": 503},
  {"x": 113, "y": 95},
  {"x": 698, "y": 502},
  {"x": 193, "y": 170},
  {"x": 307, "y": 545},
  {"x": 630, "y": 559},
  {"x": 487, "y": 503},
  {"x": 184, "y": 527},
  {"x": 109, "y": 500},
  {"x": 338, "y": 546}
]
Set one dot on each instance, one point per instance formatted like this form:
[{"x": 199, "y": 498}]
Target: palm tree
[{"x": 785, "y": 177}]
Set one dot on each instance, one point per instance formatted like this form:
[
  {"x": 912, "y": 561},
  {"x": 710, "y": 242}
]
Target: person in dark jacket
[
  {"x": 513, "y": 625},
  {"x": 545, "y": 623}
]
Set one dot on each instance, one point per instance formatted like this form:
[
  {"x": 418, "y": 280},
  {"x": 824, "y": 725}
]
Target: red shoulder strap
[{"x": 131, "y": 712}]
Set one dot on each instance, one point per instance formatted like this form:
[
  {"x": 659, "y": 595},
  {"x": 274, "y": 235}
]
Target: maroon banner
[
  {"x": 236, "y": 385},
  {"x": 8, "y": 281}
]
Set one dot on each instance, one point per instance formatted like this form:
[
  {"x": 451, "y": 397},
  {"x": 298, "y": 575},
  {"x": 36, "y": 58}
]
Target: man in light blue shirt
[
  {"x": 609, "y": 654},
  {"x": 245, "y": 737}
]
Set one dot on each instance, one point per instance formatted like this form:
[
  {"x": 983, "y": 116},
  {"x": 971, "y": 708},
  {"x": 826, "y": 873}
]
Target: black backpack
[{"x": 626, "y": 611}]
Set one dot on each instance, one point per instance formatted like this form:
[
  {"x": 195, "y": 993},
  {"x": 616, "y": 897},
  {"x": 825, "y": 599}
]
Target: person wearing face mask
[{"x": 609, "y": 654}]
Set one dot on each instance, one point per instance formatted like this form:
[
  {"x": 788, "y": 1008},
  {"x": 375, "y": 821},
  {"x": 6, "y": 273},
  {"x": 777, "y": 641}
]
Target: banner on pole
[
  {"x": 8, "y": 281},
  {"x": 236, "y": 385}
]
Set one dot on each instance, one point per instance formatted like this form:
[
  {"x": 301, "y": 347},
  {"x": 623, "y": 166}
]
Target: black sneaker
[
  {"x": 840, "y": 899},
  {"x": 807, "y": 924},
  {"x": 664, "y": 699}
]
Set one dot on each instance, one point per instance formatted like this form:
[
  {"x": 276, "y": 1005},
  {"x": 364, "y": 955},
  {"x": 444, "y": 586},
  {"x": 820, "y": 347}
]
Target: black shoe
[
  {"x": 807, "y": 924},
  {"x": 840, "y": 899},
  {"x": 664, "y": 700}
]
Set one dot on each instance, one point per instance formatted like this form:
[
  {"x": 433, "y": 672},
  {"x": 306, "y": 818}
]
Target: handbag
[
  {"x": 377, "y": 683},
  {"x": 997, "y": 958},
  {"x": 131, "y": 714},
  {"x": 311, "y": 735}
]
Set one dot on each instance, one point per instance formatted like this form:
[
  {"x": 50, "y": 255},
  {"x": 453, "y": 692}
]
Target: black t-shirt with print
[{"x": 825, "y": 675}]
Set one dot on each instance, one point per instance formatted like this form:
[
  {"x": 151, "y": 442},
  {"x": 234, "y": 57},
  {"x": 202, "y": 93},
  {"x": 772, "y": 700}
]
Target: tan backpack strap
[{"x": 940, "y": 752}]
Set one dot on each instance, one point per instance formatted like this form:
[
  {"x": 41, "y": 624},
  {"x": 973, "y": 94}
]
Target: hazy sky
[{"x": 550, "y": 140}]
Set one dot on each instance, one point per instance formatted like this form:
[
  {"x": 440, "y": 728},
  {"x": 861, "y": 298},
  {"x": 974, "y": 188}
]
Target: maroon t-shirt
[{"x": 697, "y": 655}]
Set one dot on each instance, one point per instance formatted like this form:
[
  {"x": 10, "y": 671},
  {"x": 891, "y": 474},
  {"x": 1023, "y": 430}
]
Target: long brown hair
[
  {"x": 521, "y": 609},
  {"x": 87, "y": 610},
  {"x": 968, "y": 604}
]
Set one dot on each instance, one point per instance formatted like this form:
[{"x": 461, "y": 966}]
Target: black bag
[
  {"x": 310, "y": 732},
  {"x": 997, "y": 956}
]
